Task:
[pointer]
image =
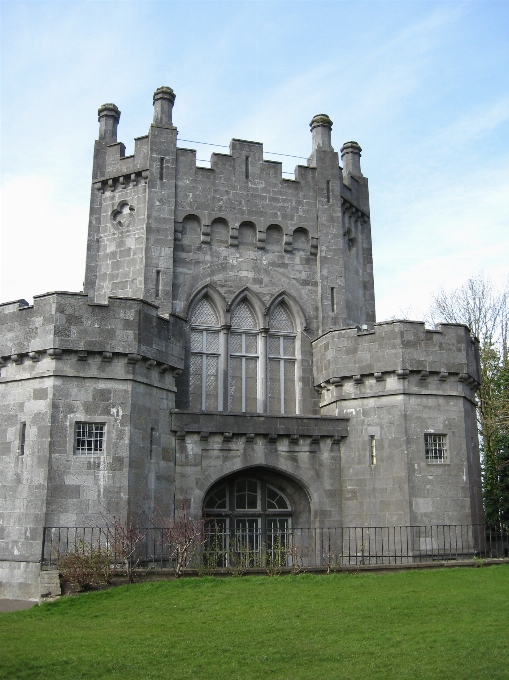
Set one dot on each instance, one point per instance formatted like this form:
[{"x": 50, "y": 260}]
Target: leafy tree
[{"x": 485, "y": 310}]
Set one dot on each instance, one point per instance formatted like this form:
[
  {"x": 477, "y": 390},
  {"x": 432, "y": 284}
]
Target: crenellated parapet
[
  {"x": 68, "y": 326},
  {"x": 395, "y": 357}
]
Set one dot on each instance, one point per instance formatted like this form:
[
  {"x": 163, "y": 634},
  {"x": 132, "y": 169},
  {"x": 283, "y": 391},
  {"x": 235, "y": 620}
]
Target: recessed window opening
[
  {"x": 436, "y": 448},
  {"x": 151, "y": 446},
  {"x": 333, "y": 299},
  {"x": 282, "y": 362},
  {"x": 158, "y": 283},
  {"x": 246, "y": 517},
  {"x": 205, "y": 358},
  {"x": 89, "y": 438},
  {"x": 372, "y": 449},
  {"x": 247, "y": 167},
  {"x": 238, "y": 368},
  {"x": 328, "y": 190},
  {"x": 22, "y": 438},
  {"x": 161, "y": 169},
  {"x": 244, "y": 353}
]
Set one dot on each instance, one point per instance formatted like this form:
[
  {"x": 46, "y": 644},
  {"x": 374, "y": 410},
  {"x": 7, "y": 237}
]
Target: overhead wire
[{"x": 226, "y": 146}]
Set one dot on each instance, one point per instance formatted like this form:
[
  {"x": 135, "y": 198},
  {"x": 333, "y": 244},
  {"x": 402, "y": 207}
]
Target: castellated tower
[{"x": 224, "y": 357}]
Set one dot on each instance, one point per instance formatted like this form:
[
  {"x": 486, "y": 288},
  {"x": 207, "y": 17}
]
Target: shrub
[{"x": 85, "y": 565}]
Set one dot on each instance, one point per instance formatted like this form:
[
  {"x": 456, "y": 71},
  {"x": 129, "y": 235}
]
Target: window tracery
[
  {"x": 258, "y": 369},
  {"x": 244, "y": 355},
  {"x": 205, "y": 358},
  {"x": 281, "y": 362},
  {"x": 253, "y": 517}
]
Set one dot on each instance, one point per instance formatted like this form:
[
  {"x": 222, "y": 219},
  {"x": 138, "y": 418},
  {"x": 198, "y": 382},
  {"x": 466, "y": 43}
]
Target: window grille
[
  {"x": 243, "y": 317},
  {"x": 258, "y": 522},
  {"x": 281, "y": 369},
  {"x": 244, "y": 362},
  {"x": 436, "y": 448},
  {"x": 280, "y": 320},
  {"x": 205, "y": 314},
  {"x": 205, "y": 359},
  {"x": 89, "y": 438}
]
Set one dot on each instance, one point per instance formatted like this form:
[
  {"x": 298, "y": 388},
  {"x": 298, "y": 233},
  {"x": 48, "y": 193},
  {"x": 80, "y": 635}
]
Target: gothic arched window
[
  {"x": 246, "y": 515},
  {"x": 205, "y": 358},
  {"x": 282, "y": 361},
  {"x": 244, "y": 354}
]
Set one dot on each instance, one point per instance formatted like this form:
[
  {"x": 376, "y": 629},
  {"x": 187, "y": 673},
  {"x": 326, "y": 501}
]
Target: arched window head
[
  {"x": 276, "y": 500},
  {"x": 280, "y": 320},
  {"x": 243, "y": 317},
  {"x": 205, "y": 314}
]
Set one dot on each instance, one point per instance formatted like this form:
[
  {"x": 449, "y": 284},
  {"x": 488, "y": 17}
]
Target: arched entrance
[{"x": 251, "y": 515}]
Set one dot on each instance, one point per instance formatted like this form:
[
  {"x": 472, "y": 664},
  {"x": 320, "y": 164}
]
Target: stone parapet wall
[
  {"x": 402, "y": 350},
  {"x": 119, "y": 166},
  {"x": 59, "y": 323}
]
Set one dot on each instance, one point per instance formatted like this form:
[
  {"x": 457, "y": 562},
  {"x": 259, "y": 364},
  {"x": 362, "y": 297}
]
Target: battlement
[
  {"x": 58, "y": 322},
  {"x": 245, "y": 158},
  {"x": 399, "y": 348}
]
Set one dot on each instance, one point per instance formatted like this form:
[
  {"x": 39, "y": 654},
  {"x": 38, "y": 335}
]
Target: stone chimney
[
  {"x": 108, "y": 116},
  {"x": 164, "y": 98},
  {"x": 351, "y": 157},
  {"x": 321, "y": 127}
]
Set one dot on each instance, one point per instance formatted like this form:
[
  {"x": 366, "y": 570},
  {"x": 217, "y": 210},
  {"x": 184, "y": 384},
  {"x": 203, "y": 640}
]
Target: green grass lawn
[{"x": 446, "y": 623}]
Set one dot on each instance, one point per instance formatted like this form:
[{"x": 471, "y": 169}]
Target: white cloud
[{"x": 43, "y": 245}]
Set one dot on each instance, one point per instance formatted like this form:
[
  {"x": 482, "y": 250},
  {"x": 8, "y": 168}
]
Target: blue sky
[{"x": 422, "y": 86}]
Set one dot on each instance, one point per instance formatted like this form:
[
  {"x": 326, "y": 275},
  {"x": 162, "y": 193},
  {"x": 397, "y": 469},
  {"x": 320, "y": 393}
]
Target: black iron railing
[{"x": 306, "y": 548}]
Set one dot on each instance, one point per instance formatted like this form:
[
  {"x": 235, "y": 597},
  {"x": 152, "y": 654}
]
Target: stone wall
[
  {"x": 63, "y": 361},
  {"x": 209, "y": 447},
  {"x": 397, "y": 384},
  {"x": 161, "y": 226}
]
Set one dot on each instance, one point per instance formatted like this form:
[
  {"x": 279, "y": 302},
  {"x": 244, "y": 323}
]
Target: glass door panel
[
  {"x": 217, "y": 542},
  {"x": 248, "y": 541}
]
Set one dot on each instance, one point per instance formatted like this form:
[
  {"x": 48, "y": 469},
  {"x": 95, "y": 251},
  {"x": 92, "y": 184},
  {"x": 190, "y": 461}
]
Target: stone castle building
[{"x": 224, "y": 353}]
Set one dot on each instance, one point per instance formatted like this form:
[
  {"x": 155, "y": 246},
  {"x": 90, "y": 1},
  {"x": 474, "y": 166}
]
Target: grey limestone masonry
[{"x": 226, "y": 331}]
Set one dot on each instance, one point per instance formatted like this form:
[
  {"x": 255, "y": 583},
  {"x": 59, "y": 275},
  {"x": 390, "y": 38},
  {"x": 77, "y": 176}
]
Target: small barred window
[
  {"x": 89, "y": 438},
  {"x": 436, "y": 448}
]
